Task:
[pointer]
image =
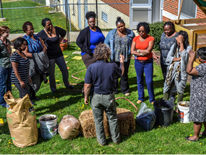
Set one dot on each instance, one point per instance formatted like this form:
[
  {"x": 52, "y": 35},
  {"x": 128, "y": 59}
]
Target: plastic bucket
[
  {"x": 164, "y": 112},
  {"x": 48, "y": 128},
  {"x": 183, "y": 112}
]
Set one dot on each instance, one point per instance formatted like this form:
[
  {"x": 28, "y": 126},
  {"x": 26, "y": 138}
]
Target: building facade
[
  {"x": 189, "y": 10},
  {"x": 107, "y": 13}
]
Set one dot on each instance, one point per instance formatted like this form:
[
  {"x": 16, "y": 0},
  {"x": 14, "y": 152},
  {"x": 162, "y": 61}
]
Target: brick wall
[
  {"x": 124, "y": 8},
  {"x": 165, "y": 19},
  {"x": 200, "y": 14},
  {"x": 171, "y": 6}
]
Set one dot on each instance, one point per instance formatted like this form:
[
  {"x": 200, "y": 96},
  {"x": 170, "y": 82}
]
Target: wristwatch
[
  {"x": 141, "y": 54},
  {"x": 137, "y": 51},
  {"x": 181, "y": 42}
]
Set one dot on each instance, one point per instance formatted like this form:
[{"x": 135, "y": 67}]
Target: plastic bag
[
  {"x": 69, "y": 127},
  {"x": 21, "y": 120},
  {"x": 146, "y": 117}
]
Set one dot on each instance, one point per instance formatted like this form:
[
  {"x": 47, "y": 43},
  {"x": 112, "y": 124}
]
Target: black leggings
[
  {"x": 124, "y": 78},
  {"x": 164, "y": 70},
  {"x": 32, "y": 92}
]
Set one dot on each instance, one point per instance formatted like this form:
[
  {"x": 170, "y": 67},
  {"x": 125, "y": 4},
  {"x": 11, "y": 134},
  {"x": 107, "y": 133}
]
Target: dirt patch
[{"x": 158, "y": 63}]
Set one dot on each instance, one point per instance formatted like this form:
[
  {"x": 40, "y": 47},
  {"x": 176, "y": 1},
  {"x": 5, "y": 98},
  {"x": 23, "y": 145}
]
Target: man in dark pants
[{"x": 101, "y": 75}]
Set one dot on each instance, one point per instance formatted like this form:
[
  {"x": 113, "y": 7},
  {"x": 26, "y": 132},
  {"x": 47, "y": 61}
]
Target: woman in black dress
[{"x": 52, "y": 36}]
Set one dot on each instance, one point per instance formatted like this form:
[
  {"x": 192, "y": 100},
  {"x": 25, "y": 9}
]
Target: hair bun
[
  {"x": 118, "y": 18},
  {"x": 90, "y": 14}
]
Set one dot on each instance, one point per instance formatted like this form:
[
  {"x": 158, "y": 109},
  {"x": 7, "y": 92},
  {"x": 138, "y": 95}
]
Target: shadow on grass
[
  {"x": 156, "y": 84},
  {"x": 76, "y": 91},
  {"x": 5, "y": 129},
  {"x": 72, "y": 47},
  {"x": 58, "y": 105}
]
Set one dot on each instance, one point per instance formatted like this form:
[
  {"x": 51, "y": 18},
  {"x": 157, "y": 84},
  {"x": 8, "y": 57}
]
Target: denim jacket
[{"x": 110, "y": 39}]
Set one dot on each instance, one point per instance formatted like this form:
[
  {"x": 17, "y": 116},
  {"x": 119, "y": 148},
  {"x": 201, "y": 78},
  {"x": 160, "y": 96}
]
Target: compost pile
[{"x": 50, "y": 118}]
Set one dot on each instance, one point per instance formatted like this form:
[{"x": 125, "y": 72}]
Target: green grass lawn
[
  {"x": 15, "y": 18},
  {"x": 160, "y": 140}
]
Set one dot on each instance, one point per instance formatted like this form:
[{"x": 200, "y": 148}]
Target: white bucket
[
  {"x": 183, "y": 112},
  {"x": 48, "y": 128}
]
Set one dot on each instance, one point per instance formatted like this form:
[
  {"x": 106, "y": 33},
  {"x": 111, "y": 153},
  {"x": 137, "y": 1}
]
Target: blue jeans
[
  {"x": 5, "y": 83},
  {"x": 147, "y": 69}
]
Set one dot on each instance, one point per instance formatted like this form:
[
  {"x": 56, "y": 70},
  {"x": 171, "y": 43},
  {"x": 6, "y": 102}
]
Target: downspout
[{"x": 161, "y": 8}]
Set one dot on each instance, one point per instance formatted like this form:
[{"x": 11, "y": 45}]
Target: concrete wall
[
  {"x": 111, "y": 12},
  {"x": 112, "y": 15}
]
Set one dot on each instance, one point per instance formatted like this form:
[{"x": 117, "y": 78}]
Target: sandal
[
  {"x": 187, "y": 138},
  {"x": 202, "y": 134}
]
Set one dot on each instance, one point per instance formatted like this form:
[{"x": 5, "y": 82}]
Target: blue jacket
[{"x": 109, "y": 41}]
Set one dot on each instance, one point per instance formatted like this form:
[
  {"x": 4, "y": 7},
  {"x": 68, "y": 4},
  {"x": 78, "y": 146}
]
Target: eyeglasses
[
  {"x": 49, "y": 24},
  {"x": 31, "y": 29},
  {"x": 142, "y": 31}
]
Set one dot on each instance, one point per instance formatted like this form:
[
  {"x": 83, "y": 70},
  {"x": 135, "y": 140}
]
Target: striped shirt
[{"x": 23, "y": 68}]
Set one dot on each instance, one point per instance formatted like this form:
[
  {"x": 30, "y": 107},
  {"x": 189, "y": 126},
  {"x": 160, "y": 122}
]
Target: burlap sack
[
  {"x": 69, "y": 127},
  {"x": 21, "y": 119}
]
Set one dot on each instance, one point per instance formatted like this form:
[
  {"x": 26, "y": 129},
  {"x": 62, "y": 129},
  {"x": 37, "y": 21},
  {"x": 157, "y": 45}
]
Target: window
[
  {"x": 104, "y": 17},
  {"x": 140, "y": 1},
  {"x": 140, "y": 15},
  {"x": 188, "y": 8}
]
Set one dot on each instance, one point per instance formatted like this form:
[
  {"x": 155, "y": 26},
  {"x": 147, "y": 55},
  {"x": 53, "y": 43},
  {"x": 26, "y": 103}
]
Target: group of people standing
[
  {"x": 34, "y": 59},
  {"x": 120, "y": 44},
  {"x": 121, "y": 41}
]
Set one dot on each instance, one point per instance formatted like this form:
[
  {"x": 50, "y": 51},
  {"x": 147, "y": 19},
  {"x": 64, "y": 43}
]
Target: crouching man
[{"x": 101, "y": 75}]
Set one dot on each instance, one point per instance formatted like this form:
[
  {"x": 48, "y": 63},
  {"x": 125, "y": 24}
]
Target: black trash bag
[{"x": 146, "y": 117}]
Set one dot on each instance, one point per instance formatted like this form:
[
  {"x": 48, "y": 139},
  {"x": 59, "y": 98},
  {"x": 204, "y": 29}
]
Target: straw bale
[
  {"x": 126, "y": 121},
  {"x": 88, "y": 126}
]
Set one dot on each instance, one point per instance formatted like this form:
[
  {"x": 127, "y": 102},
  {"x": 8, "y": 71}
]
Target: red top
[{"x": 142, "y": 45}]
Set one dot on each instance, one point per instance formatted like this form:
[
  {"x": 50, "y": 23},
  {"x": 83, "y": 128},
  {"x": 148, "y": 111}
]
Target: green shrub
[{"x": 156, "y": 30}]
